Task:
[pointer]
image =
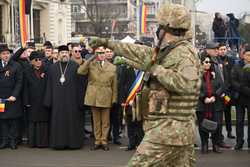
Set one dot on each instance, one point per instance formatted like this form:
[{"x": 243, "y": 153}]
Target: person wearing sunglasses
[
  {"x": 35, "y": 79},
  {"x": 210, "y": 105}
]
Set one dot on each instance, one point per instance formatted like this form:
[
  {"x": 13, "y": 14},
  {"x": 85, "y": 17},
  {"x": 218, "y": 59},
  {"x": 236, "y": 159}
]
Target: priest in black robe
[{"x": 66, "y": 130}]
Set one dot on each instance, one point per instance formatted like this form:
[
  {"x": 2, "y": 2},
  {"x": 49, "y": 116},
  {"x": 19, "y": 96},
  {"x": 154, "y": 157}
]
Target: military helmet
[{"x": 174, "y": 16}]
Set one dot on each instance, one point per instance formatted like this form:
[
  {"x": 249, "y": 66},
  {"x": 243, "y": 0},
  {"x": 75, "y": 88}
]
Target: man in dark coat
[
  {"x": 127, "y": 75},
  {"x": 61, "y": 96},
  {"x": 226, "y": 62},
  {"x": 11, "y": 79},
  {"x": 240, "y": 86},
  {"x": 48, "y": 54},
  {"x": 35, "y": 79},
  {"x": 219, "y": 28},
  {"x": 22, "y": 57}
]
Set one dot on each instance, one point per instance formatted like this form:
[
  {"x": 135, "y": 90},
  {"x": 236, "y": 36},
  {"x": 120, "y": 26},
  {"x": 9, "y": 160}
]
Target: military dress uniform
[
  {"x": 101, "y": 93},
  {"x": 173, "y": 93}
]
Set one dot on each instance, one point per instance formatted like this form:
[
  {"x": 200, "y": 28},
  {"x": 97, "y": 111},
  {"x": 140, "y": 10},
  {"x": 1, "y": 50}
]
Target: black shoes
[
  {"x": 99, "y": 146},
  {"x": 204, "y": 149},
  {"x": 239, "y": 146},
  {"x": 216, "y": 149},
  {"x": 117, "y": 142},
  {"x": 230, "y": 136},
  {"x": 105, "y": 147},
  {"x": 130, "y": 148},
  {"x": 96, "y": 147},
  {"x": 4, "y": 144}
]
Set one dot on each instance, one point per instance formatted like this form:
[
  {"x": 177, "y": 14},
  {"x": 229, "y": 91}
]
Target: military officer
[
  {"x": 101, "y": 94},
  {"x": 173, "y": 90}
]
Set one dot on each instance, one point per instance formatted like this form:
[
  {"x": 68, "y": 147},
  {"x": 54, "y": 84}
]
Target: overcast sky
[{"x": 224, "y": 6}]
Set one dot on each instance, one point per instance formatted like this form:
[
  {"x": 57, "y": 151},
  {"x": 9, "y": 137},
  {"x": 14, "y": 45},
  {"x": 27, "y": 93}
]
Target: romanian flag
[
  {"x": 136, "y": 87},
  {"x": 2, "y": 105},
  {"x": 143, "y": 17},
  {"x": 22, "y": 22},
  {"x": 142, "y": 14}
]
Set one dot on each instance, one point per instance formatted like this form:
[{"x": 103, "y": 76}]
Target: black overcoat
[{"x": 11, "y": 80}]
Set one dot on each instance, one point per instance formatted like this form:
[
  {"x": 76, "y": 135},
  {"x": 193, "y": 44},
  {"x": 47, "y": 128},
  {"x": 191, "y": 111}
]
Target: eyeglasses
[
  {"x": 38, "y": 59},
  {"x": 207, "y": 62},
  {"x": 77, "y": 51},
  {"x": 99, "y": 53}
]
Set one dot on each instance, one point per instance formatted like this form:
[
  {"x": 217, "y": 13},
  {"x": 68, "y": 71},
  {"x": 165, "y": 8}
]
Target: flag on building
[
  {"x": 22, "y": 22},
  {"x": 142, "y": 9}
]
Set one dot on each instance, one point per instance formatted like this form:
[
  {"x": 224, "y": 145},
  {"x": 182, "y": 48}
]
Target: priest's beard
[{"x": 64, "y": 59}]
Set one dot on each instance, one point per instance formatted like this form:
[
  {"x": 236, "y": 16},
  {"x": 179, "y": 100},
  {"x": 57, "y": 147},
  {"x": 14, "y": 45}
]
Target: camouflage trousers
[{"x": 158, "y": 155}]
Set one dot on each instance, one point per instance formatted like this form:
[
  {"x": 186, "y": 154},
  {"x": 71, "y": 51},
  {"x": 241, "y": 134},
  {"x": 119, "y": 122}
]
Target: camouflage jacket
[{"x": 174, "y": 91}]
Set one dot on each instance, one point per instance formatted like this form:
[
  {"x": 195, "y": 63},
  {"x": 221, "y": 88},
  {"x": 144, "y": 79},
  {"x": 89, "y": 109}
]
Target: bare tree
[{"x": 100, "y": 15}]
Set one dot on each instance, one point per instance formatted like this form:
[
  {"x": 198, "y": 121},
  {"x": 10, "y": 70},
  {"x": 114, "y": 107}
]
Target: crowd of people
[
  {"x": 46, "y": 94},
  {"x": 225, "y": 83}
]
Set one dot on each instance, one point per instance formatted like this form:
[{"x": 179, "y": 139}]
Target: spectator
[
  {"x": 239, "y": 86},
  {"x": 11, "y": 78},
  {"x": 226, "y": 62},
  {"x": 210, "y": 105},
  {"x": 35, "y": 79},
  {"x": 219, "y": 28},
  {"x": 233, "y": 34},
  {"x": 48, "y": 54}
]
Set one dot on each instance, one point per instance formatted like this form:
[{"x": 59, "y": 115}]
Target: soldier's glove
[
  {"x": 96, "y": 42},
  {"x": 119, "y": 60}
]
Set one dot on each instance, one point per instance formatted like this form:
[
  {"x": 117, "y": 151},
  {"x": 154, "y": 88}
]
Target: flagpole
[{"x": 12, "y": 22}]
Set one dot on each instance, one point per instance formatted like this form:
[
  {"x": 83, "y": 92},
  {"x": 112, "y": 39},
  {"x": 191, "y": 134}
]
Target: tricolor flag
[
  {"x": 143, "y": 17},
  {"x": 2, "y": 105},
  {"x": 22, "y": 22}
]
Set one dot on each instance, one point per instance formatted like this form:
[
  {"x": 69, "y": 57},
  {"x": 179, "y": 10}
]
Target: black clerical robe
[{"x": 66, "y": 120}]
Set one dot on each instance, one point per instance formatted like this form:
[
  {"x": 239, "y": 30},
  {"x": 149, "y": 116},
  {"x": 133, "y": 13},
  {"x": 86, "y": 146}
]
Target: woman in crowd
[
  {"x": 210, "y": 104},
  {"x": 38, "y": 115}
]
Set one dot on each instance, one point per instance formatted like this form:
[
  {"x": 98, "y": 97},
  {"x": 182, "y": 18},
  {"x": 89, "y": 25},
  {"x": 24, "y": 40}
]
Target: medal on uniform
[{"x": 62, "y": 79}]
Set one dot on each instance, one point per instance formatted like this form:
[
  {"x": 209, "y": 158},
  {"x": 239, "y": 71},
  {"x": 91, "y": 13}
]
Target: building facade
[
  {"x": 97, "y": 17},
  {"x": 48, "y": 20}
]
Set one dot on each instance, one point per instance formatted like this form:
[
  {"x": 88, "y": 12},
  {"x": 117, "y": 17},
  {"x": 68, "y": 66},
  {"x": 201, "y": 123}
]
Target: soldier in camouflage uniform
[{"x": 174, "y": 88}]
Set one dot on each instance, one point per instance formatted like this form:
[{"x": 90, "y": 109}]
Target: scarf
[{"x": 208, "y": 78}]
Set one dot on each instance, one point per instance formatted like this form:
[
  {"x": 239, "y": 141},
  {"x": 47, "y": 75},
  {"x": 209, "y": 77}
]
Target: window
[
  {"x": 151, "y": 9},
  {"x": 75, "y": 8},
  {"x": 36, "y": 25}
]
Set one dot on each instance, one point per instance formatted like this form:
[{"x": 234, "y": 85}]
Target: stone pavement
[{"x": 116, "y": 157}]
